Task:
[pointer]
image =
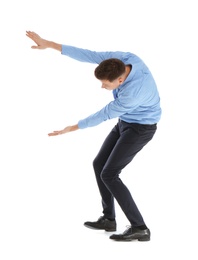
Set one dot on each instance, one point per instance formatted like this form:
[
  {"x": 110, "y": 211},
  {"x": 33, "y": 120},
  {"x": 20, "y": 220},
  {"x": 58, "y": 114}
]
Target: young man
[{"x": 136, "y": 104}]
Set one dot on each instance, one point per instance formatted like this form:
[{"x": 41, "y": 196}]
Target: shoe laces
[{"x": 128, "y": 227}]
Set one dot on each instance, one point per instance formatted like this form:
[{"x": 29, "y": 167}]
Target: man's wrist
[{"x": 54, "y": 45}]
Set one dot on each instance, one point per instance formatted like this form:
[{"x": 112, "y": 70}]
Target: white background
[{"x": 47, "y": 185}]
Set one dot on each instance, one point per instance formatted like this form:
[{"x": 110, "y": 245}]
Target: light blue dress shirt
[{"x": 135, "y": 101}]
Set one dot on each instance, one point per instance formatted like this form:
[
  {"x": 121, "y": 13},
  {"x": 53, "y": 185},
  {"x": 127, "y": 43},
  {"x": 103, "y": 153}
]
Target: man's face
[{"x": 111, "y": 85}]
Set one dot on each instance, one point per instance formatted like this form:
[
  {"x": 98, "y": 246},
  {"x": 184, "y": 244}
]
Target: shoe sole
[
  {"x": 106, "y": 229},
  {"x": 141, "y": 239}
]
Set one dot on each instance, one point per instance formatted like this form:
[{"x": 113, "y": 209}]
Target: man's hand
[
  {"x": 64, "y": 131},
  {"x": 42, "y": 43}
]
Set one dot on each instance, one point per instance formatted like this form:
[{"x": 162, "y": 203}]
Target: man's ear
[{"x": 120, "y": 80}]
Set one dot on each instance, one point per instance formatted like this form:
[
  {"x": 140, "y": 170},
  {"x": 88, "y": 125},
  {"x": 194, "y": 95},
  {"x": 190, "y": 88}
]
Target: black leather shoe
[
  {"x": 132, "y": 234},
  {"x": 102, "y": 223}
]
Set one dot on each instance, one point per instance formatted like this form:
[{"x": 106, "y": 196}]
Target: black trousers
[{"x": 119, "y": 148}]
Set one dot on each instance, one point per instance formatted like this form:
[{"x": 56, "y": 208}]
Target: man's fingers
[
  {"x": 55, "y": 133},
  {"x": 31, "y": 33},
  {"x": 33, "y": 36},
  {"x": 52, "y": 134},
  {"x": 36, "y": 47}
]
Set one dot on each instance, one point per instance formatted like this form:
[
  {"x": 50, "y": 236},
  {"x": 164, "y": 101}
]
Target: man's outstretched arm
[{"x": 41, "y": 43}]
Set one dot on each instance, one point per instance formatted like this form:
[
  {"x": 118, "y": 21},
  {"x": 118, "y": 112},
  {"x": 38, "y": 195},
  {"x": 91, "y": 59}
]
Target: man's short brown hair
[{"x": 109, "y": 69}]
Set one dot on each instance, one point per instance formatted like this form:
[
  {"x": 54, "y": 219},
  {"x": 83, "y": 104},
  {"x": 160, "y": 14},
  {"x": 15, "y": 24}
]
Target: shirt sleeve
[
  {"x": 89, "y": 56},
  {"x": 114, "y": 109},
  {"x": 127, "y": 100}
]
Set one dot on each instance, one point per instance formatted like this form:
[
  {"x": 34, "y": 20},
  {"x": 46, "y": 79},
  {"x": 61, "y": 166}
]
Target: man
[{"x": 136, "y": 104}]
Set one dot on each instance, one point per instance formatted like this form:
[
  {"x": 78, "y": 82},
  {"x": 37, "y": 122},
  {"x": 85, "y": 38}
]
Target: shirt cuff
[{"x": 82, "y": 124}]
